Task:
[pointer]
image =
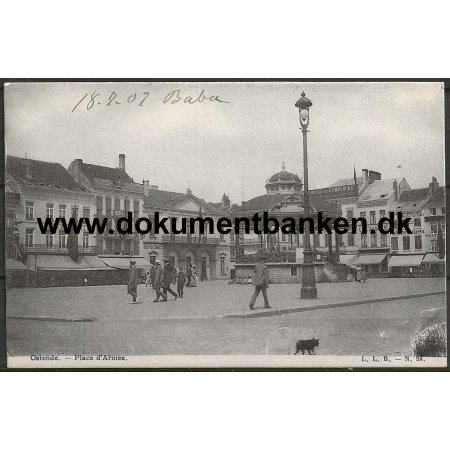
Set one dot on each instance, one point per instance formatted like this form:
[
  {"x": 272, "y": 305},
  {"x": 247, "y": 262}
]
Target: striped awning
[
  {"x": 371, "y": 258},
  {"x": 433, "y": 258},
  {"x": 65, "y": 262},
  {"x": 124, "y": 262}
]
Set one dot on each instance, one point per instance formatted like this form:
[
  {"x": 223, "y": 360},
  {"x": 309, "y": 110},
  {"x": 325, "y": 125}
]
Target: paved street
[{"x": 194, "y": 325}]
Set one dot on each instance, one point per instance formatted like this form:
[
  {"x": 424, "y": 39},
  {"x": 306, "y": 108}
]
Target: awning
[
  {"x": 372, "y": 258},
  {"x": 64, "y": 262},
  {"x": 124, "y": 263},
  {"x": 346, "y": 259},
  {"x": 433, "y": 259},
  {"x": 13, "y": 264},
  {"x": 405, "y": 260}
]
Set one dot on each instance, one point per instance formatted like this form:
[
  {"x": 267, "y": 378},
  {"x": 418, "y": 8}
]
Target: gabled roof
[
  {"x": 168, "y": 199},
  {"x": 267, "y": 201},
  {"x": 414, "y": 195},
  {"x": 438, "y": 197},
  {"x": 42, "y": 173},
  {"x": 92, "y": 171},
  {"x": 379, "y": 190},
  {"x": 347, "y": 182}
]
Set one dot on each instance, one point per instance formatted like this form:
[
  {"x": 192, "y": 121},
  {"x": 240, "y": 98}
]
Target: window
[
  {"x": 433, "y": 227},
  {"x": 383, "y": 240},
  {"x": 136, "y": 208},
  {"x": 434, "y": 247},
  {"x": 152, "y": 259},
  {"x": 417, "y": 222},
  {"x": 86, "y": 213},
  {"x": 373, "y": 240},
  {"x": 394, "y": 243},
  {"x": 382, "y": 213},
  {"x": 29, "y": 234},
  {"x": 99, "y": 202},
  {"x": 126, "y": 247},
  {"x": 188, "y": 261},
  {"x": 363, "y": 240},
  {"x": 50, "y": 210},
  {"x": 293, "y": 271},
  {"x": 75, "y": 211},
  {"x": 108, "y": 204},
  {"x": 62, "y": 238},
  {"x": 116, "y": 204},
  {"x": 62, "y": 210},
  {"x": 283, "y": 237},
  {"x": 49, "y": 240},
  {"x": 362, "y": 214},
  {"x": 443, "y": 211},
  {"x": 443, "y": 227},
  {"x": 316, "y": 240},
  {"x": 222, "y": 265},
  {"x": 406, "y": 243},
  {"x": 85, "y": 239},
  {"x": 29, "y": 211},
  {"x": 418, "y": 242},
  {"x": 372, "y": 217},
  {"x": 433, "y": 211},
  {"x": 172, "y": 261}
]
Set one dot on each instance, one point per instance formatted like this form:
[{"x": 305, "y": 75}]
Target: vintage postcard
[{"x": 225, "y": 224}]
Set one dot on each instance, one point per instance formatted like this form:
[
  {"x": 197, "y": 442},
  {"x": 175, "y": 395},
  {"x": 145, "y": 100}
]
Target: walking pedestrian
[
  {"x": 152, "y": 275},
  {"x": 133, "y": 281},
  {"x": 194, "y": 278},
  {"x": 188, "y": 276},
  {"x": 147, "y": 279},
  {"x": 181, "y": 280},
  {"x": 158, "y": 282},
  {"x": 167, "y": 280},
  {"x": 261, "y": 283}
]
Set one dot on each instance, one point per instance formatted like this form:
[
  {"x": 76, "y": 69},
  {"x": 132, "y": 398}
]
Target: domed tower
[{"x": 284, "y": 182}]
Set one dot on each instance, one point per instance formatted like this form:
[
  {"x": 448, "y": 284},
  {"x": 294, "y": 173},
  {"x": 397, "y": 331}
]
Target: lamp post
[{"x": 309, "y": 289}]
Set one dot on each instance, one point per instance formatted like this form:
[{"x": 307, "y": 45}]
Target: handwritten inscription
[{"x": 88, "y": 101}]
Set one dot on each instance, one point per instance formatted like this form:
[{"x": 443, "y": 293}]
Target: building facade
[{"x": 209, "y": 252}]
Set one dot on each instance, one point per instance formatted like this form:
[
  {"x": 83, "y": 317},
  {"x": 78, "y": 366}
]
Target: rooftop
[{"x": 41, "y": 173}]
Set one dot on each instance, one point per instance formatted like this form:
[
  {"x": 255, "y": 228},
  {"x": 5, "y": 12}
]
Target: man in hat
[
  {"x": 261, "y": 283},
  {"x": 133, "y": 281},
  {"x": 181, "y": 280},
  {"x": 167, "y": 280},
  {"x": 158, "y": 282}
]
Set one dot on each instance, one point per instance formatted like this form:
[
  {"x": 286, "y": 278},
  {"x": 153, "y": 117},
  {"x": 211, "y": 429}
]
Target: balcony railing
[
  {"x": 55, "y": 249},
  {"x": 190, "y": 239},
  {"x": 275, "y": 257}
]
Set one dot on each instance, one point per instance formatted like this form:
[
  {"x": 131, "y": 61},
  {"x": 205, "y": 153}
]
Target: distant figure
[
  {"x": 194, "y": 278},
  {"x": 133, "y": 281},
  {"x": 249, "y": 280},
  {"x": 261, "y": 283},
  {"x": 188, "y": 276},
  {"x": 85, "y": 282},
  {"x": 181, "y": 280},
  {"x": 147, "y": 279},
  {"x": 167, "y": 280},
  {"x": 158, "y": 282},
  {"x": 152, "y": 276}
]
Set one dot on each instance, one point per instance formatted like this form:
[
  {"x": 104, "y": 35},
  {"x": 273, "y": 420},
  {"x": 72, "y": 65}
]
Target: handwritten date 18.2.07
[{"x": 113, "y": 99}]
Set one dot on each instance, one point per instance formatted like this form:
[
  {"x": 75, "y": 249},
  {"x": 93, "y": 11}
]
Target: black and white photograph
[{"x": 202, "y": 224}]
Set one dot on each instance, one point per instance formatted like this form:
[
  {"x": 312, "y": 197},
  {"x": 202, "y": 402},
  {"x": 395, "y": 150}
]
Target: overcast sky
[{"x": 394, "y": 128}]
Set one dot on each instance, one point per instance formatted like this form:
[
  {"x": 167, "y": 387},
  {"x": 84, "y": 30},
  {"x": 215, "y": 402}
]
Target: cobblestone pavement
[
  {"x": 208, "y": 300},
  {"x": 370, "y": 329}
]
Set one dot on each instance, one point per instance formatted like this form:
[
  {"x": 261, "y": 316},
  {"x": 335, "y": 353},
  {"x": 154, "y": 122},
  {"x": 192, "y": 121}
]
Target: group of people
[{"x": 161, "y": 280}]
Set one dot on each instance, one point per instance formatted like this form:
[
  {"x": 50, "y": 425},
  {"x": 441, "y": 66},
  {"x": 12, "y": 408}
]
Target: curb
[
  {"x": 49, "y": 319},
  {"x": 280, "y": 311}
]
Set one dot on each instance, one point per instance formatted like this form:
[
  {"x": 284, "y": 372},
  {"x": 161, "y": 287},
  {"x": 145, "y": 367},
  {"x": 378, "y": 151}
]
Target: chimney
[
  {"x": 146, "y": 188},
  {"x": 374, "y": 176},
  {"x": 225, "y": 200},
  {"x": 433, "y": 186},
  {"x": 28, "y": 169},
  {"x": 122, "y": 162},
  {"x": 395, "y": 188},
  {"x": 77, "y": 163},
  {"x": 365, "y": 177}
]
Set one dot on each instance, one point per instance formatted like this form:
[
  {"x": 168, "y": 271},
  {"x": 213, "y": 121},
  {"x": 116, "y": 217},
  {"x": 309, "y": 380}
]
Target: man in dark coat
[
  {"x": 181, "y": 280},
  {"x": 261, "y": 283},
  {"x": 188, "y": 276},
  {"x": 158, "y": 282},
  {"x": 167, "y": 280},
  {"x": 133, "y": 281}
]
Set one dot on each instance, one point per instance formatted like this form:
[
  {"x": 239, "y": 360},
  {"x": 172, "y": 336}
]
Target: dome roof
[{"x": 284, "y": 175}]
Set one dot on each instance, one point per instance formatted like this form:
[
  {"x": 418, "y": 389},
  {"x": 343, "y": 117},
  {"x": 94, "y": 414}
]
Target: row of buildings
[{"x": 42, "y": 189}]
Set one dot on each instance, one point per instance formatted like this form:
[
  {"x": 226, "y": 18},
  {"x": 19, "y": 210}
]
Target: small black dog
[{"x": 307, "y": 344}]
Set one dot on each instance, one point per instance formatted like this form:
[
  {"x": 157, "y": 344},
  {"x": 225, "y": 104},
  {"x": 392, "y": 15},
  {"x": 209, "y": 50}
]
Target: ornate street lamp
[{"x": 309, "y": 289}]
